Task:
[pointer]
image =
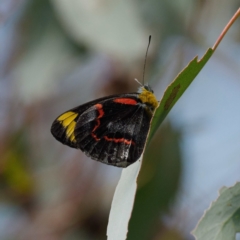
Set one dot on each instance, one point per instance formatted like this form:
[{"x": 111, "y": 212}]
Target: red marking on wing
[
  {"x": 100, "y": 110},
  {"x": 116, "y": 140},
  {"x": 95, "y": 137},
  {"x": 128, "y": 101},
  {"x": 101, "y": 113},
  {"x": 97, "y": 125}
]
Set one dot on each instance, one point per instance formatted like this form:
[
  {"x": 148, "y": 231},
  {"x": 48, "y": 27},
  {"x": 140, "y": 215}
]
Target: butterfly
[{"x": 112, "y": 129}]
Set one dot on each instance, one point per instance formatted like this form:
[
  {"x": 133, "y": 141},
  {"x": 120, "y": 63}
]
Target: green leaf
[
  {"x": 222, "y": 220},
  {"x": 175, "y": 90},
  {"x": 150, "y": 200},
  {"x": 157, "y": 184}
]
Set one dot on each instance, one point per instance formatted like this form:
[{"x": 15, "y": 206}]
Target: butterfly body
[{"x": 112, "y": 129}]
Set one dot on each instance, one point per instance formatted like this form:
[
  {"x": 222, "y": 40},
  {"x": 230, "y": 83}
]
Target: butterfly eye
[{"x": 148, "y": 88}]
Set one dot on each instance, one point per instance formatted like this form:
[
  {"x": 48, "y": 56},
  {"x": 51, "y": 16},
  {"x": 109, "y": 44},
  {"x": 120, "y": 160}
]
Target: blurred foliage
[
  {"x": 16, "y": 180},
  {"x": 39, "y": 18},
  {"x": 49, "y": 191}
]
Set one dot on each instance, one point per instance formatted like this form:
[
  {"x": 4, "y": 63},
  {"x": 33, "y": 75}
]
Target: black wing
[
  {"x": 107, "y": 130},
  {"x": 63, "y": 126}
]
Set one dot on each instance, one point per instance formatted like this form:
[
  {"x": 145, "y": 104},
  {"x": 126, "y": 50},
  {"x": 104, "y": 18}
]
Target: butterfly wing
[
  {"x": 64, "y": 125},
  {"x": 112, "y": 130}
]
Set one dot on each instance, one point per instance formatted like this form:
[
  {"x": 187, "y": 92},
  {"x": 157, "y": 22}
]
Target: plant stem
[{"x": 232, "y": 20}]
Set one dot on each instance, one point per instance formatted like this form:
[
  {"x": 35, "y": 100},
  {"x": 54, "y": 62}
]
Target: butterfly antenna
[
  {"x": 138, "y": 81},
  {"x": 149, "y": 41}
]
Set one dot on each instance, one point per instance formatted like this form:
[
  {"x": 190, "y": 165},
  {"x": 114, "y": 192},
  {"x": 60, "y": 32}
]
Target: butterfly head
[
  {"x": 147, "y": 97},
  {"x": 148, "y": 88}
]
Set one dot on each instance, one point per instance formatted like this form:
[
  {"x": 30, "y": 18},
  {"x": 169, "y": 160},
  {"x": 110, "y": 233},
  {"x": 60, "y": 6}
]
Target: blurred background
[{"x": 55, "y": 55}]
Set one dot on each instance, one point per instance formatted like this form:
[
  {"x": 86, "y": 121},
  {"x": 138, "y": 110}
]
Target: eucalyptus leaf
[
  {"x": 222, "y": 220},
  {"x": 175, "y": 90}
]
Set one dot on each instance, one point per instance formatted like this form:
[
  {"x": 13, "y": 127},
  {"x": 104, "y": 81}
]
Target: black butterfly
[{"x": 112, "y": 129}]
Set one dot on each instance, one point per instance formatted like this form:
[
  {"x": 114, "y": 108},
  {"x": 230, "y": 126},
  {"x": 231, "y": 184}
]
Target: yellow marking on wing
[
  {"x": 66, "y": 115},
  {"x": 72, "y": 138},
  {"x": 148, "y": 97},
  {"x": 70, "y": 130},
  {"x": 67, "y": 120}
]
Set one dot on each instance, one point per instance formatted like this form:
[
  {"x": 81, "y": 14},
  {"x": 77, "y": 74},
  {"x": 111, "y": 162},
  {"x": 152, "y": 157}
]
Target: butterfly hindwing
[
  {"x": 112, "y": 133},
  {"x": 114, "y": 139}
]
